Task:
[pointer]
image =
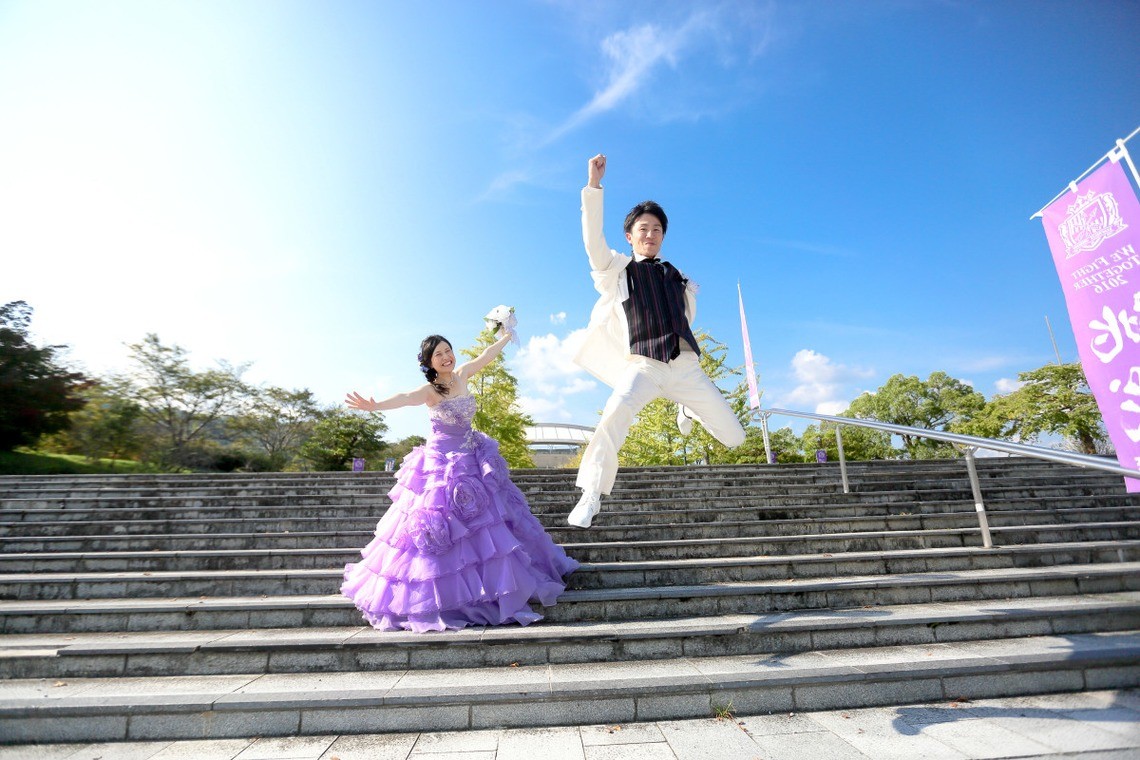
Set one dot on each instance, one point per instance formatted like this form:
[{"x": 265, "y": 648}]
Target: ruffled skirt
[{"x": 459, "y": 545}]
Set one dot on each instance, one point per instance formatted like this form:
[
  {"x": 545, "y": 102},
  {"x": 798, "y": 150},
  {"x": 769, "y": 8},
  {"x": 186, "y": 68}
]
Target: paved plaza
[{"x": 1100, "y": 725}]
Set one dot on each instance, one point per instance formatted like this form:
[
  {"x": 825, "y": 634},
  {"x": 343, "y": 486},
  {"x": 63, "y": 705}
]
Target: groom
[{"x": 639, "y": 341}]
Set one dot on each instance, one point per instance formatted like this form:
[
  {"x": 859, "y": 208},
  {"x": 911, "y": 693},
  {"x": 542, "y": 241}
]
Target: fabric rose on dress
[
  {"x": 492, "y": 466},
  {"x": 468, "y": 497},
  {"x": 429, "y": 532}
]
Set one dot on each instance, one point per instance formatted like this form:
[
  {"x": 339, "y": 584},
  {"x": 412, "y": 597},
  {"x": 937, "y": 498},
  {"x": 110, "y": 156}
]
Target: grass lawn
[{"x": 24, "y": 462}]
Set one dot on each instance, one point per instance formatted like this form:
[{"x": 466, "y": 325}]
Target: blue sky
[{"x": 313, "y": 187}]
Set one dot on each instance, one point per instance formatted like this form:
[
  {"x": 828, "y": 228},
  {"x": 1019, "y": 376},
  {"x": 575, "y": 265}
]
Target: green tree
[
  {"x": 181, "y": 404},
  {"x": 340, "y": 436},
  {"x": 784, "y": 442},
  {"x": 106, "y": 427},
  {"x": 859, "y": 444},
  {"x": 654, "y": 438},
  {"x": 498, "y": 414},
  {"x": 37, "y": 394},
  {"x": 277, "y": 421},
  {"x": 1054, "y": 399},
  {"x": 938, "y": 403}
]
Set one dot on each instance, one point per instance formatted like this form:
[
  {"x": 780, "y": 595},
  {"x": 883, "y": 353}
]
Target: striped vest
[{"x": 655, "y": 310}]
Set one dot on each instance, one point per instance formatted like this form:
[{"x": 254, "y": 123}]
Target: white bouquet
[{"x": 502, "y": 318}]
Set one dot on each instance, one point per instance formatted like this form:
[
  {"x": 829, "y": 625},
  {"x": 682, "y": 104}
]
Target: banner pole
[
  {"x": 1128, "y": 160},
  {"x": 1073, "y": 185},
  {"x": 749, "y": 367}
]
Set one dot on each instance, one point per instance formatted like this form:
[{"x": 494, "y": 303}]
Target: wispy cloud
[
  {"x": 504, "y": 182},
  {"x": 632, "y": 55},
  {"x": 558, "y": 318},
  {"x": 727, "y": 33},
  {"x": 820, "y": 249}
]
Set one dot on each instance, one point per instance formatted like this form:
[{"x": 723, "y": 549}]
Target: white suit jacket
[{"x": 605, "y": 351}]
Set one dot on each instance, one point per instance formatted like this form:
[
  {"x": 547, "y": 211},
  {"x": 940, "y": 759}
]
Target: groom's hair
[{"x": 647, "y": 207}]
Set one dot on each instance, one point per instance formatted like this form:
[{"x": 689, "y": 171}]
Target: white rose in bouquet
[{"x": 502, "y": 319}]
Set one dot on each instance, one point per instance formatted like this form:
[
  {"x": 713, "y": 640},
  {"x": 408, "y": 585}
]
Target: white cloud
[
  {"x": 552, "y": 388},
  {"x": 549, "y": 379},
  {"x": 632, "y": 55},
  {"x": 1006, "y": 385},
  {"x": 728, "y": 34},
  {"x": 579, "y": 385},
  {"x": 810, "y": 367},
  {"x": 822, "y": 384},
  {"x": 546, "y": 362},
  {"x": 544, "y": 409},
  {"x": 558, "y": 319},
  {"x": 832, "y": 408}
]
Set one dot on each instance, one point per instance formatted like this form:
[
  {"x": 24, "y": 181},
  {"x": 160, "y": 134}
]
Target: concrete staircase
[{"x": 181, "y": 606}]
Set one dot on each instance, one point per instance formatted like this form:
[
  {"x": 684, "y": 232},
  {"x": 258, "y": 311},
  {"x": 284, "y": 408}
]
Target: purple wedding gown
[{"x": 459, "y": 545}]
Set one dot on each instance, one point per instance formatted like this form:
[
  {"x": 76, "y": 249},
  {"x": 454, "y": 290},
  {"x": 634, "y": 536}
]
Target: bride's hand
[{"x": 356, "y": 401}]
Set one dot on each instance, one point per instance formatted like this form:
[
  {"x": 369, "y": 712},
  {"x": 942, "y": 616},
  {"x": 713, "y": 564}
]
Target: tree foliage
[
  {"x": 938, "y": 403},
  {"x": 784, "y": 442},
  {"x": 1054, "y": 399},
  {"x": 276, "y": 421},
  {"x": 341, "y": 436},
  {"x": 37, "y": 394},
  {"x": 498, "y": 414},
  {"x": 859, "y": 444},
  {"x": 107, "y": 427},
  {"x": 179, "y": 403}
]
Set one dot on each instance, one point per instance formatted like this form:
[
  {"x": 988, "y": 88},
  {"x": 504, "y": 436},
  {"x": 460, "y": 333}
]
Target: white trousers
[{"x": 681, "y": 380}]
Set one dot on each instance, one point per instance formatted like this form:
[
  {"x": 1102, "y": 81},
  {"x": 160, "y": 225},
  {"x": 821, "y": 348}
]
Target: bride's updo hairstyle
[{"x": 427, "y": 348}]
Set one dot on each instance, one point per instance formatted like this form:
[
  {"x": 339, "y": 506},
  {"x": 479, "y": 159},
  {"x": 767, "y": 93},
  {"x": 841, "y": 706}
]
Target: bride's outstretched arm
[
  {"x": 472, "y": 367},
  {"x": 411, "y": 398}
]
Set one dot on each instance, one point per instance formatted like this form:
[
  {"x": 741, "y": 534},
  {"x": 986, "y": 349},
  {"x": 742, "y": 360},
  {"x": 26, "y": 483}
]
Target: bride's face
[{"x": 442, "y": 359}]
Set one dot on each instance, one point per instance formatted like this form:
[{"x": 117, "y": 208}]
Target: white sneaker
[
  {"x": 588, "y": 506},
  {"x": 684, "y": 421}
]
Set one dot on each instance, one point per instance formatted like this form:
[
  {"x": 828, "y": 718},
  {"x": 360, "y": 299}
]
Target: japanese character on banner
[
  {"x": 1110, "y": 326},
  {"x": 1130, "y": 419}
]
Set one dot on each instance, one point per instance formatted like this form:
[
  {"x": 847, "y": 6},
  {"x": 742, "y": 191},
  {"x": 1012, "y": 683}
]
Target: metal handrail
[{"x": 971, "y": 443}]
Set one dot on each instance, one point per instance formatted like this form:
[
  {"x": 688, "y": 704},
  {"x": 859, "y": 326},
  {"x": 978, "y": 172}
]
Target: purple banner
[{"x": 1094, "y": 234}]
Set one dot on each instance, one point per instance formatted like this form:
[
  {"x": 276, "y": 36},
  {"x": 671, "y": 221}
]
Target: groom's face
[{"x": 646, "y": 236}]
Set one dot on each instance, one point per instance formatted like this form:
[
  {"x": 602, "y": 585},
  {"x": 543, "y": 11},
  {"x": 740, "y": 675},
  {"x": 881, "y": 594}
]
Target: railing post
[
  {"x": 767, "y": 443},
  {"x": 979, "y": 505},
  {"x": 842, "y": 459}
]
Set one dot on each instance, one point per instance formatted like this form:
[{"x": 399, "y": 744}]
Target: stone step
[
  {"x": 270, "y": 559},
  {"x": 660, "y": 525},
  {"x": 359, "y": 648},
  {"x": 208, "y": 612},
  {"x": 639, "y": 513},
  {"x": 543, "y": 495},
  {"x": 70, "y": 583},
  {"x": 986, "y": 467},
  {"x": 220, "y": 706},
  {"x": 615, "y": 544}
]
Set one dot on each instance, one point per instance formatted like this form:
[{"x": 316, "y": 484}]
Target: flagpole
[
  {"x": 749, "y": 367},
  {"x": 1072, "y": 186},
  {"x": 1128, "y": 159}
]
